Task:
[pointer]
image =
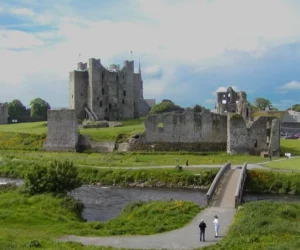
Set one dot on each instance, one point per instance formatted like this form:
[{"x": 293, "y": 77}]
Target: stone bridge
[{"x": 227, "y": 188}]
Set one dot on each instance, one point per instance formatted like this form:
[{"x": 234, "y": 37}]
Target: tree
[
  {"x": 198, "y": 108},
  {"x": 16, "y": 109},
  {"x": 165, "y": 106},
  {"x": 39, "y": 107},
  {"x": 262, "y": 103},
  {"x": 296, "y": 107}
]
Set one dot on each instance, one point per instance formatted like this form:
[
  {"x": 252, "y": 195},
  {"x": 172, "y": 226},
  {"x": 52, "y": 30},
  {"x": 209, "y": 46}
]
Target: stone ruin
[
  {"x": 3, "y": 113},
  {"x": 62, "y": 131},
  {"x": 230, "y": 124}
]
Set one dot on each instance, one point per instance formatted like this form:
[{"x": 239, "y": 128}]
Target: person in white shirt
[{"x": 216, "y": 226}]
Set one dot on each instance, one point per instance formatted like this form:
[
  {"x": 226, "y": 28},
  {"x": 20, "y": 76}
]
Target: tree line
[{"x": 18, "y": 111}]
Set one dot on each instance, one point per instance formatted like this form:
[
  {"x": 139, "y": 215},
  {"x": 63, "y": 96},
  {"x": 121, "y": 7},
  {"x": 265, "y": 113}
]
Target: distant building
[
  {"x": 290, "y": 122},
  {"x": 97, "y": 93}
]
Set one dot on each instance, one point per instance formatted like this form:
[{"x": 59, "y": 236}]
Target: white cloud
[
  {"x": 151, "y": 70},
  {"x": 14, "y": 39},
  {"x": 293, "y": 85}
]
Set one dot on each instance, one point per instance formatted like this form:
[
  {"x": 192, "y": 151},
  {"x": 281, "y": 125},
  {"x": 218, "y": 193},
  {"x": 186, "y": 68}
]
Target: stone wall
[
  {"x": 186, "y": 127},
  {"x": 3, "y": 113},
  {"x": 62, "y": 131},
  {"x": 253, "y": 137}
]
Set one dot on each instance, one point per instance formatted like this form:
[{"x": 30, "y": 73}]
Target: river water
[{"x": 104, "y": 203}]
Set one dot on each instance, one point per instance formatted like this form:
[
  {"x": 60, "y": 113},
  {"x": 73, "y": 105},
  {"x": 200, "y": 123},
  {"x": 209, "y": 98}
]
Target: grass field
[
  {"x": 289, "y": 164},
  {"x": 131, "y": 159},
  {"x": 37, "y": 221}
]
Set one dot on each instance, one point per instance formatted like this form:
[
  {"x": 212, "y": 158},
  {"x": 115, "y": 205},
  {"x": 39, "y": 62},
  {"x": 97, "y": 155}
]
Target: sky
[{"x": 188, "y": 49}]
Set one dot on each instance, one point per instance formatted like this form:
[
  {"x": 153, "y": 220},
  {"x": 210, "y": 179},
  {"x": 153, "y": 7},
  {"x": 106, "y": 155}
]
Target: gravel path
[{"x": 186, "y": 238}]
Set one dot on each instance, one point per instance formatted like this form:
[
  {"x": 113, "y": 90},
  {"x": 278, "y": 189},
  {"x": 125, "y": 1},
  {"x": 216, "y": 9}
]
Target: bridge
[{"x": 227, "y": 188}]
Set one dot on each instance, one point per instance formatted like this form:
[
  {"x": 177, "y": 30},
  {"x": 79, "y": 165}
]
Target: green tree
[
  {"x": 198, "y": 108},
  {"x": 165, "y": 106},
  {"x": 39, "y": 107},
  {"x": 262, "y": 103},
  {"x": 16, "y": 108},
  {"x": 296, "y": 107},
  {"x": 58, "y": 177}
]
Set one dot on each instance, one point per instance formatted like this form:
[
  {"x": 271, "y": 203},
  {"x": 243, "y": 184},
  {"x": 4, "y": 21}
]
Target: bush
[{"x": 58, "y": 177}]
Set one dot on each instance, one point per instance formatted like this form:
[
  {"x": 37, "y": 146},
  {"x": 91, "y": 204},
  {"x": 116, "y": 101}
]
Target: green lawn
[
  {"x": 26, "y": 127},
  {"x": 290, "y": 164},
  {"x": 131, "y": 159},
  {"x": 37, "y": 221}
]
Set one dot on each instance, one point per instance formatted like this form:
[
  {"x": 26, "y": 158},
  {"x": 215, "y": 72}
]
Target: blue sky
[{"x": 188, "y": 49}]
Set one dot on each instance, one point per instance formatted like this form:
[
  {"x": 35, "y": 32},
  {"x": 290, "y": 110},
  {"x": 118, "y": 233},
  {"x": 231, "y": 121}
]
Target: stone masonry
[
  {"x": 62, "y": 131},
  {"x": 3, "y": 113},
  {"x": 187, "y": 127},
  {"x": 97, "y": 93}
]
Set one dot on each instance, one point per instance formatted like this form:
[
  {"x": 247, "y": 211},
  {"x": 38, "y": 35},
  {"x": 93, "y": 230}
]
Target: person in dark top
[{"x": 202, "y": 227}]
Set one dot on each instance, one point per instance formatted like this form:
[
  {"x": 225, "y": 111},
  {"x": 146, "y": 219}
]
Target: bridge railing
[
  {"x": 240, "y": 185},
  {"x": 211, "y": 191}
]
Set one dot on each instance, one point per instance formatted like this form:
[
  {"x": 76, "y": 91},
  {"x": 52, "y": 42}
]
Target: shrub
[{"x": 58, "y": 177}]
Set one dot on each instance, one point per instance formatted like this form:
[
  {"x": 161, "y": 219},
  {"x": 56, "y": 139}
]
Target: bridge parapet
[
  {"x": 211, "y": 191},
  {"x": 240, "y": 185}
]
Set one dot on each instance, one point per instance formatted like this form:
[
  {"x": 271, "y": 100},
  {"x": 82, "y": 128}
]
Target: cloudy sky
[{"x": 188, "y": 49}]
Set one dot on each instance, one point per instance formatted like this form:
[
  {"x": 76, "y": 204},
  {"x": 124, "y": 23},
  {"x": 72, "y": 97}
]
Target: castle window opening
[
  {"x": 81, "y": 94},
  {"x": 102, "y": 91},
  {"x": 106, "y": 110},
  {"x": 247, "y": 113},
  {"x": 123, "y": 101},
  {"x": 72, "y": 96},
  {"x": 255, "y": 144},
  {"x": 100, "y": 104},
  {"x": 124, "y": 93},
  {"x": 109, "y": 106},
  {"x": 160, "y": 125},
  {"x": 117, "y": 77}
]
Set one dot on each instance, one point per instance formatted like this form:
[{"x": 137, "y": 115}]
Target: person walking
[
  {"x": 187, "y": 163},
  {"x": 216, "y": 226},
  {"x": 202, "y": 227}
]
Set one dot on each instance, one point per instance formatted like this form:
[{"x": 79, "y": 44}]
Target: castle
[
  {"x": 3, "y": 113},
  {"x": 97, "y": 93}
]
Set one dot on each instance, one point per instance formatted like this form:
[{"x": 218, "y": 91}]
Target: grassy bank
[
  {"x": 272, "y": 182},
  {"x": 264, "y": 225},
  {"x": 36, "y": 221}
]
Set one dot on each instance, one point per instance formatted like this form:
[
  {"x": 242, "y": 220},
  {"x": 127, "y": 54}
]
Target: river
[{"x": 104, "y": 203}]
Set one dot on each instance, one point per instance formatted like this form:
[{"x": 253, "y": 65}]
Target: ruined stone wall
[
  {"x": 252, "y": 138},
  {"x": 187, "y": 127},
  {"x": 3, "y": 113},
  {"x": 62, "y": 131}
]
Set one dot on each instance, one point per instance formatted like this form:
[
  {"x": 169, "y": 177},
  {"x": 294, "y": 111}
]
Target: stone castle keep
[
  {"x": 97, "y": 93},
  {"x": 3, "y": 113}
]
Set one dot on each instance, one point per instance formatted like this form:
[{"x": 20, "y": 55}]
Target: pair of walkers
[{"x": 202, "y": 227}]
